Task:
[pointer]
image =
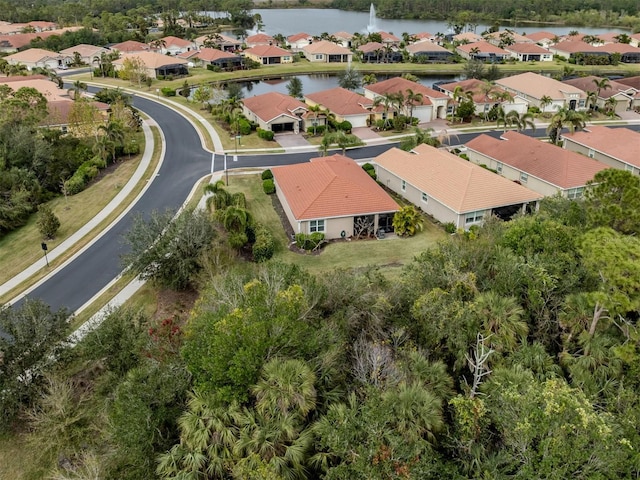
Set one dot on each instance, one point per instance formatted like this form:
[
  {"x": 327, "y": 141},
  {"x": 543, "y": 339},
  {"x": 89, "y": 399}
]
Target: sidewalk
[{"x": 93, "y": 223}]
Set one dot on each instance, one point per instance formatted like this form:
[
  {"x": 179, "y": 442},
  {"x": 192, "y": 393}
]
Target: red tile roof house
[
  {"x": 258, "y": 39},
  {"x": 130, "y": 46},
  {"x": 432, "y": 106},
  {"x": 268, "y": 55},
  {"x": 624, "y": 95},
  {"x": 466, "y": 37},
  {"x": 345, "y": 38},
  {"x": 542, "y": 167},
  {"x": 275, "y": 111},
  {"x": 298, "y": 41},
  {"x": 376, "y": 52},
  {"x": 427, "y": 51},
  {"x": 346, "y": 105},
  {"x": 504, "y": 37},
  {"x": 156, "y": 64},
  {"x": 635, "y": 40},
  {"x": 532, "y": 87},
  {"x": 390, "y": 39},
  {"x": 449, "y": 188},
  {"x": 13, "y": 42},
  {"x": 330, "y": 195},
  {"x": 482, "y": 99},
  {"x": 570, "y": 48},
  {"x": 223, "y": 42},
  {"x": 529, "y": 52},
  {"x": 628, "y": 53},
  {"x": 544, "y": 39},
  {"x": 324, "y": 51},
  {"x": 617, "y": 147},
  {"x": 214, "y": 57},
  {"x": 38, "y": 57},
  {"x": 482, "y": 50},
  {"x": 171, "y": 45},
  {"x": 90, "y": 54}
]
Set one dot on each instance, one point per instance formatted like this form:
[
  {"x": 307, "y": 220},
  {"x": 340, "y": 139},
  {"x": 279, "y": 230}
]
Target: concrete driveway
[{"x": 291, "y": 141}]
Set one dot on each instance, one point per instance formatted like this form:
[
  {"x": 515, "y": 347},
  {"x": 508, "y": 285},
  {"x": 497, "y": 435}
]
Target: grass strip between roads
[{"x": 22, "y": 247}]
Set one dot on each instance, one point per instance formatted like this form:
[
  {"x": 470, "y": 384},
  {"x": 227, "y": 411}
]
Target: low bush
[
  {"x": 317, "y": 130},
  {"x": 450, "y": 227},
  {"x": 345, "y": 126},
  {"x": 267, "y": 174},
  {"x": 269, "y": 186},
  {"x": 83, "y": 175},
  {"x": 309, "y": 242},
  {"x": 244, "y": 126},
  {"x": 168, "y": 92},
  {"x": 264, "y": 246},
  {"x": 370, "y": 169},
  {"x": 265, "y": 134}
]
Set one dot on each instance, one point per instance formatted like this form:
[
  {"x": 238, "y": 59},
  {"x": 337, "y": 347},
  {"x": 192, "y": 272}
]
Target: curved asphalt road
[{"x": 184, "y": 163}]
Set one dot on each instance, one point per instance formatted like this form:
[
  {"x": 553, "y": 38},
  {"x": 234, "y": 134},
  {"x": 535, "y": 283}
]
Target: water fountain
[{"x": 372, "y": 27}]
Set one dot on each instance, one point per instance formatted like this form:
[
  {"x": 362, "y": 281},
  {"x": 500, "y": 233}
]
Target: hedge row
[
  {"x": 83, "y": 175},
  {"x": 264, "y": 245}
]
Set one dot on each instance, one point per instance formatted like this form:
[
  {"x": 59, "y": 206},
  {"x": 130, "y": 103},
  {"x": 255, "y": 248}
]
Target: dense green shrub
[
  {"x": 309, "y": 242},
  {"x": 345, "y": 126},
  {"x": 267, "y": 174},
  {"x": 317, "y": 130},
  {"x": 244, "y": 126},
  {"x": 265, "y": 134},
  {"x": 269, "y": 186},
  {"x": 370, "y": 169},
  {"x": 83, "y": 175},
  {"x": 168, "y": 91},
  {"x": 450, "y": 227},
  {"x": 48, "y": 223},
  {"x": 264, "y": 246}
]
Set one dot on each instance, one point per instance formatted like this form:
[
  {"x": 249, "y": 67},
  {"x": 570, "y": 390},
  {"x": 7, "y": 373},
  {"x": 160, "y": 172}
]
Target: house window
[
  {"x": 524, "y": 177},
  {"x": 316, "y": 226},
  {"x": 474, "y": 217},
  {"x": 592, "y": 153},
  {"x": 499, "y": 167},
  {"x": 425, "y": 198},
  {"x": 628, "y": 168},
  {"x": 574, "y": 193},
  {"x": 319, "y": 56},
  {"x": 403, "y": 186}
]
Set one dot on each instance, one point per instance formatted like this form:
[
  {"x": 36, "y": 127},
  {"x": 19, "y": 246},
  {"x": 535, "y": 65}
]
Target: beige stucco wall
[
  {"x": 285, "y": 207},
  {"x": 601, "y": 157}
]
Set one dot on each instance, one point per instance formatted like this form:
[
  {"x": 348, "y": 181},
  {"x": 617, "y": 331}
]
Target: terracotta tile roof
[
  {"x": 130, "y": 46},
  {"x": 343, "y": 35},
  {"x": 212, "y": 54},
  {"x": 268, "y": 51},
  {"x": 475, "y": 86},
  {"x": 399, "y": 84},
  {"x": 422, "y": 36},
  {"x": 575, "y": 46},
  {"x": 151, "y": 59},
  {"x": 172, "y": 41},
  {"x": 59, "y": 110},
  {"x": 22, "y": 78},
  {"x": 42, "y": 24},
  {"x": 298, "y": 36},
  {"x": 620, "y": 143},
  {"x": 84, "y": 50},
  {"x": 388, "y": 37},
  {"x": 371, "y": 47},
  {"x": 526, "y": 48},
  {"x": 259, "y": 38},
  {"x": 273, "y": 104},
  {"x": 516, "y": 37},
  {"x": 341, "y": 101},
  {"x": 618, "y": 48},
  {"x": 328, "y": 187},
  {"x": 188, "y": 55},
  {"x": 43, "y": 85},
  {"x": 550, "y": 163},
  {"x": 32, "y": 55},
  {"x": 539, "y": 36},
  {"x": 633, "y": 82},
  {"x": 460, "y": 185},
  {"x": 483, "y": 47},
  {"x": 587, "y": 84},
  {"x": 426, "y": 46},
  {"x": 467, "y": 36},
  {"x": 326, "y": 47},
  {"x": 537, "y": 86}
]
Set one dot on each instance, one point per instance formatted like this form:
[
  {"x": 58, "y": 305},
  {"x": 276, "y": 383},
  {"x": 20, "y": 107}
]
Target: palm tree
[
  {"x": 115, "y": 135},
  {"x": 501, "y": 319},
  {"x": 104, "y": 148},
  {"x": 602, "y": 84},
  {"x": 212, "y": 40},
  {"x": 77, "y": 89},
  {"x": 545, "y": 101},
  {"x": 315, "y": 110},
  {"x": 419, "y": 137},
  {"x": 522, "y": 121},
  {"x": 412, "y": 98},
  {"x": 610, "y": 106},
  {"x": 236, "y": 219},
  {"x": 219, "y": 198},
  {"x": 369, "y": 79},
  {"x": 158, "y": 44},
  {"x": 592, "y": 98},
  {"x": 387, "y": 101},
  {"x": 350, "y": 79},
  {"x": 565, "y": 117}
]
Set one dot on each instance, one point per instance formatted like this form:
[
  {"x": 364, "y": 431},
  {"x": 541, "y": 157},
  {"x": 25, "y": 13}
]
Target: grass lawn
[
  {"x": 391, "y": 253},
  {"x": 21, "y": 248}
]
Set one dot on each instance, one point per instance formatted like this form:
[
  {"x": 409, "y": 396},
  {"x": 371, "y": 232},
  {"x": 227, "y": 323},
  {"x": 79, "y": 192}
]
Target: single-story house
[
  {"x": 59, "y": 117},
  {"x": 298, "y": 41},
  {"x": 259, "y": 39},
  {"x": 324, "y": 51},
  {"x": 268, "y": 55},
  {"x": 426, "y": 51},
  {"x": 532, "y": 88},
  {"x": 485, "y": 96},
  {"x": 220, "y": 41},
  {"x": 8, "y": 28},
  {"x": 628, "y": 53},
  {"x": 275, "y": 111},
  {"x": 483, "y": 51},
  {"x": 344, "y": 38},
  {"x": 335, "y": 196},
  {"x": 38, "y": 57},
  {"x": 633, "y": 82},
  {"x": 156, "y": 64},
  {"x": 389, "y": 39},
  {"x": 544, "y": 39},
  {"x": 171, "y": 45},
  {"x": 218, "y": 58},
  {"x": 504, "y": 38},
  {"x": 451, "y": 189},
  {"x": 130, "y": 46},
  {"x": 625, "y": 96},
  {"x": 433, "y": 104},
  {"x": 529, "y": 52},
  {"x": 541, "y": 166},
  {"x": 616, "y": 147},
  {"x": 345, "y": 105},
  {"x": 570, "y": 48},
  {"x": 376, "y": 52},
  {"x": 88, "y": 53},
  {"x": 466, "y": 37}
]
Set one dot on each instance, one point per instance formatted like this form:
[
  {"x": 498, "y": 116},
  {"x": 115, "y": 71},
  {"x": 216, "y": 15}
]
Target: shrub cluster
[
  {"x": 83, "y": 175},
  {"x": 317, "y": 130},
  {"x": 309, "y": 242},
  {"x": 269, "y": 186},
  {"x": 265, "y": 134},
  {"x": 168, "y": 91},
  {"x": 264, "y": 245},
  {"x": 267, "y": 174},
  {"x": 370, "y": 169}
]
